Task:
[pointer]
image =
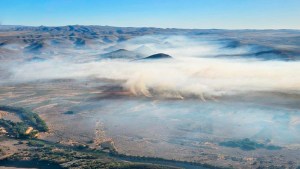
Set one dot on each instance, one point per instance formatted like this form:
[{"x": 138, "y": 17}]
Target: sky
[{"x": 203, "y": 14}]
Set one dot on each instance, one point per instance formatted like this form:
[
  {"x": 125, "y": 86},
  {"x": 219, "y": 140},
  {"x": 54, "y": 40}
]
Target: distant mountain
[
  {"x": 79, "y": 42},
  {"x": 35, "y": 47},
  {"x": 45, "y": 40},
  {"x": 230, "y": 43},
  {"x": 36, "y": 59},
  {"x": 159, "y": 56},
  {"x": 144, "y": 50},
  {"x": 121, "y": 54},
  {"x": 264, "y": 53}
]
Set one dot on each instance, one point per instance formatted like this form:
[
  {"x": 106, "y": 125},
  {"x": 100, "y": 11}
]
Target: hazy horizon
[{"x": 259, "y": 29}]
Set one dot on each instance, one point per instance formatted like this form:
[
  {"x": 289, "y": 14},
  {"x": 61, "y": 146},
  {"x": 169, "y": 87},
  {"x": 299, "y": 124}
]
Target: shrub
[{"x": 28, "y": 117}]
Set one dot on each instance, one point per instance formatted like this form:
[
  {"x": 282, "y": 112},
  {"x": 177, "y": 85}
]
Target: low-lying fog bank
[
  {"x": 195, "y": 67},
  {"x": 203, "y": 77}
]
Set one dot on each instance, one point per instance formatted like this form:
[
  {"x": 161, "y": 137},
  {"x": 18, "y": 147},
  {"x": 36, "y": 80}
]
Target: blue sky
[{"x": 228, "y": 14}]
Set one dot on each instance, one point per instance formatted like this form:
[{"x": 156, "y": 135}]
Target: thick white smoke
[
  {"x": 189, "y": 74},
  {"x": 202, "y": 77}
]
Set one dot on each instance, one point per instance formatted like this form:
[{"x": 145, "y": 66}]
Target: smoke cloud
[
  {"x": 190, "y": 74},
  {"x": 201, "y": 77}
]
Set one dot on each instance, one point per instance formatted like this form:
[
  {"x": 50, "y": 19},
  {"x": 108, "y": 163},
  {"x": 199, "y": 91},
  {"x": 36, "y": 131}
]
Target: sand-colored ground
[{"x": 96, "y": 120}]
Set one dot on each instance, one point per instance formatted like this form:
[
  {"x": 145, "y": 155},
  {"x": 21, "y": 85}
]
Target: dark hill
[
  {"x": 159, "y": 56},
  {"x": 35, "y": 47}
]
